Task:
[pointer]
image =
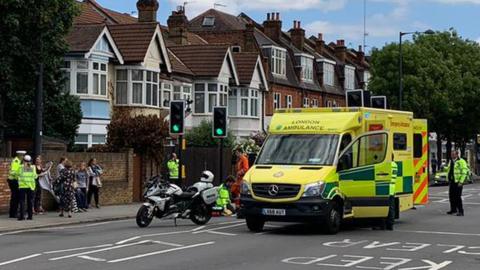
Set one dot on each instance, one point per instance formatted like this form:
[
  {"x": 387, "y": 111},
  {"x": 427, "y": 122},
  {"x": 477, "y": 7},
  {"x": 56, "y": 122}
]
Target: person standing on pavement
[
  {"x": 26, "y": 184},
  {"x": 61, "y": 165},
  {"x": 94, "y": 172},
  {"x": 173, "y": 166},
  {"x": 13, "y": 183},
  {"x": 391, "y": 198},
  {"x": 67, "y": 178},
  {"x": 37, "y": 204},
  {"x": 82, "y": 181},
  {"x": 457, "y": 173},
  {"x": 242, "y": 167}
]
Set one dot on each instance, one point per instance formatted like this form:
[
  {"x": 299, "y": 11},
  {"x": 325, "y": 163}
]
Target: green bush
[{"x": 201, "y": 136}]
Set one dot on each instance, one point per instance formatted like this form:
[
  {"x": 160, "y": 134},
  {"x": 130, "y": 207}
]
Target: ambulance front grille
[{"x": 284, "y": 191}]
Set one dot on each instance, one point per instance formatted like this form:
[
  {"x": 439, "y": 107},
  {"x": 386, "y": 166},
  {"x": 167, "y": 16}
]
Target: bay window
[
  {"x": 121, "y": 93},
  {"x": 86, "y": 77},
  {"x": 152, "y": 88},
  {"x": 208, "y": 95},
  {"x": 138, "y": 87},
  {"x": 243, "y": 102},
  {"x": 99, "y": 79},
  {"x": 82, "y": 77},
  {"x": 167, "y": 94}
]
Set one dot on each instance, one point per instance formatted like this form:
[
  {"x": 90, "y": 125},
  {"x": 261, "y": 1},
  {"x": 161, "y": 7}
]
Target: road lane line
[
  {"x": 20, "y": 259},
  {"x": 160, "y": 252},
  {"x": 127, "y": 240},
  {"x": 218, "y": 228},
  {"x": 440, "y": 233},
  {"x": 92, "y": 258},
  {"x": 229, "y": 222},
  {"x": 76, "y": 249},
  {"x": 199, "y": 228},
  {"x": 220, "y": 233},
  {"x": 98, "y": 250},
  {"x": 167, "y": 243},
  {"x": 166, "y": 233}
]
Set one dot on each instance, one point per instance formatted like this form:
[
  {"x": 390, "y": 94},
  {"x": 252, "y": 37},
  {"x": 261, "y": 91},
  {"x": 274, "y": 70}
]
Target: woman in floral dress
[{"x": 66, "y": 179}]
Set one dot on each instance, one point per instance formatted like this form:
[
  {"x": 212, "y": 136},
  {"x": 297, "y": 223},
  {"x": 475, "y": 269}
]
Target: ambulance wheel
[
  {"x": 255, "y": 224},
  {"x": 333, "y": 220}
]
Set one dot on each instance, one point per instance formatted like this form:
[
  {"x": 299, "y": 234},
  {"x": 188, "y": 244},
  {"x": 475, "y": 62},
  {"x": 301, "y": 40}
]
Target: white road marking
[
  {"x": 229, "y": 222},
  {"x": 76, "y": 249},
  {"x": 127, "y": 240},
  {"x": 20, "y": 259},
  {"x": 160, "y": 252},
  {"x": 218, "y": 228},
  {"x": 199, "y": 228},
  {"x": 92, "y": 258},
  {"x": 440, "y": 233},
  {"x": 166, "y": 233},
  {"x": 220, "y": 233},
  {"x": 98, "y": 250},
  {"x": 167, "y": 243}
]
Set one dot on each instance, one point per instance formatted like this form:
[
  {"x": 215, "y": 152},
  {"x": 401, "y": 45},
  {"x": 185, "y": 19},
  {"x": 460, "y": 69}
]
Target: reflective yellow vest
[
  {"x": 172, "y": 166},
  {"x": 394, "y": 179},
  {"x": 223, "y": 196},
  {"x": 14, "y": 167},
  {"x": 26, "y": 177},
  {"x": 460, "y": 170}
]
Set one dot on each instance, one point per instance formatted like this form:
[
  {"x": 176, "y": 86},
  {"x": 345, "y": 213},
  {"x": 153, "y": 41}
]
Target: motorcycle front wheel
[
  {"x": 144, "y": 217},
  {"x": 201, "y": 214}
]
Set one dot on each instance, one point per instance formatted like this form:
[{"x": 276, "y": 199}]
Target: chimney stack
[
  {"x": 178, "y": 26},
  {"x": 297, "y": 34},
  {"x": 319, "y": 44},
  {"x": 272, "y": 27},
  {"x": 249, "y": 35},
  {"x": 341, "y": 50},
  {"x": 360, "y": 55},
  {"x": 147, "y": 10}
]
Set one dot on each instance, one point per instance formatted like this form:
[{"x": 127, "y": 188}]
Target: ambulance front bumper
[{"x": 303, "y": 210}]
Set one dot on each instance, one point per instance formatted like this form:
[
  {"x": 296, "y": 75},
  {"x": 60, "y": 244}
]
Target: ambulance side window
[
  {"x": 346, "y": 140},
  {"x": 400, "y": 141},
  {"x": 365, "y": 151},
  {"x": 417, "y": 145}
]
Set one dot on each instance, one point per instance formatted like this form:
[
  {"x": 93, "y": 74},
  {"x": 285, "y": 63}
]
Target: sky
[{"x": 341, "y": 19}]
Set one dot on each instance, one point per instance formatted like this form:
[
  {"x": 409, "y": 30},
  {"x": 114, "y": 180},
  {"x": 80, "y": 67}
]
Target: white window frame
[
  {"x": 314, "y": 103},
  {"x": 328, "y": 71},
  {"x": 306, "y": 63},
  {"x": 329, "y": 104},
  {"x": 349, "y": 77},
  {"x": 251, "y": 100},
  {"x": 100, "y": 73},
  {"x": 143, "y": 82},
  {"x": 73, "y": 70},
  {"x": 366, "y": 78},
  {"x": 306, "y": 102},
  {"x": 221, "y": 96},
  {"x": 278, "y": 60},
  {"x": 277, "y": 100},
  {"x": 167, "y": 90},
  {"x": 289, "y": 101}
]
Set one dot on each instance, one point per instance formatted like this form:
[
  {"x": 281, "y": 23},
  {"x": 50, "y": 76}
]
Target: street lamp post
[{"x": 400, "y": 91}]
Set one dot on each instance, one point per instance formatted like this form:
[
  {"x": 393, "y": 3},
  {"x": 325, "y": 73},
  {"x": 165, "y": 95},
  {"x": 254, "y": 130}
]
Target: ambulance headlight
[
  {"x": 245, "y": 189},
  {"x": 314, "y": 190}
]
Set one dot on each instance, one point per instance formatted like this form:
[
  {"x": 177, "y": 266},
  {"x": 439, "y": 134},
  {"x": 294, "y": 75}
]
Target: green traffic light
[
  {"x": 219, "y": 131},
  {"x": 176, "y": 128}
]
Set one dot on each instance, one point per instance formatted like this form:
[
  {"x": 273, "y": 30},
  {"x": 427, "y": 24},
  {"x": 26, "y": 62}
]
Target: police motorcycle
[{"x": 166, "y": 200}]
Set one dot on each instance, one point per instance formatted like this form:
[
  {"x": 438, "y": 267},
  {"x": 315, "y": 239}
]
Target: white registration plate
[{"x": 273, "y": 212}]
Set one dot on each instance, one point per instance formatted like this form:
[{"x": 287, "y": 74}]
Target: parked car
[{"x": 441, "y": 177}]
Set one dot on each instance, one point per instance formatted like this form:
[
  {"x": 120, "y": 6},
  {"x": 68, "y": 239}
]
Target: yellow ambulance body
[{"x": 328, "y": 164}]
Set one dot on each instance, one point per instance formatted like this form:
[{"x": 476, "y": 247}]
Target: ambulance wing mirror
[{"x": 345, "y": 162}]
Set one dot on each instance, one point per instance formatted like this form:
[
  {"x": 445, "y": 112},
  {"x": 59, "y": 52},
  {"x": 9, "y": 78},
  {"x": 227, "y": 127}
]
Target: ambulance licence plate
[{"x": 273, "y": 212}]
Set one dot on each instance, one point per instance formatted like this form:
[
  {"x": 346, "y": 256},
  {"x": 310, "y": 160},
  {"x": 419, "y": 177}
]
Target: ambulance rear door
[{"x": 420, "y": 161}]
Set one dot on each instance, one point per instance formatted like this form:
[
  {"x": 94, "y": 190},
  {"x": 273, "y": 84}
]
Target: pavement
[
  {"x": 51, "y": 219},
  {"x": 425, "y": 238}
]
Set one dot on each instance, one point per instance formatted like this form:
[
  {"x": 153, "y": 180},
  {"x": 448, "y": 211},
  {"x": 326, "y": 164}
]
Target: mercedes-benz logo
[{"x": 273, "y": 190}]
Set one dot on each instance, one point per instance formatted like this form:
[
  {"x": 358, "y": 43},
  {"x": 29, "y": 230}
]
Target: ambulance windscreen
[{"x": 299, "y": 150}]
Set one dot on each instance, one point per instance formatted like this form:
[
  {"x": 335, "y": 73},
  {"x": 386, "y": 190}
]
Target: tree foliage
[
  {"x": 33, "y": 31},
  {"x": 201, "y": 136},
  {"x": 145, "y": 134},
  {"x": 441, "y": 82}
]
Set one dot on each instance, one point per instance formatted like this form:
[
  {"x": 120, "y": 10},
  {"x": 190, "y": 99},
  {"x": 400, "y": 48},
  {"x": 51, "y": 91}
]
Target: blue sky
[{"x": 342, "y": 18}]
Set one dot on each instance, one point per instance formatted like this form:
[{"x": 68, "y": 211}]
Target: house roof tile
[
  {"x": 202, "y": 60},
  {"x": 223, "y": 22},
  {"x": 82, "y": 37},
  {"x": 246, "y": 64},
  {"x": 133, "y": 40}
]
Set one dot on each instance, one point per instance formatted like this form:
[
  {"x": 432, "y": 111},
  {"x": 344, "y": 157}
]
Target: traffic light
[
  {"x": 219, "y": 122},
  {"x": 177, "y": 116},
  {"x": 379, "y": 102}
]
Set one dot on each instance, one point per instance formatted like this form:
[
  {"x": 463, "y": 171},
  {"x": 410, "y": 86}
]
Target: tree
[
  {"x": 201, "y": 136},
  {"x": 441, "y": 82},
  {"x": 33, "y": 32}
]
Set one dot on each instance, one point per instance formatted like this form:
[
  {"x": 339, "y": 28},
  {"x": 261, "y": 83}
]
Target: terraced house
[{"x": 121, "y": 63}]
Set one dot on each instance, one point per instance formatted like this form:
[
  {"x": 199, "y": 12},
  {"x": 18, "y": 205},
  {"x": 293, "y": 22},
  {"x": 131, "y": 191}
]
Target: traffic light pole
[
  {"x": 180, "y": 160},
  {"x": 220, "y": 171}
]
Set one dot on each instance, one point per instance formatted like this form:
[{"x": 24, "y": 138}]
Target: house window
[
  {"x": 334, "y": 104},
  {"x": 167, "y": 94},
  {"x": 236, "y": 49},
  {"x": 99, "y": 79},
  {"x": 66, "y": 69},
  {"x": 81, "y": 139},
  {"x": 209, "y": 95},
  {"x": 243, "y": 102},
  {"x": 82, "y": 77},
  {"x": 366, "y": 78},
  {"x": 288, "y": 101},
  {"x": 99, "y": 139},
  {"x": 103, "y": 46},
  {"x": 200, "y": 98},
  {"x": 277, "y": 97},
  {"x": 208, "y": 21},
  {"x": 315, "y": 103},
  {"x": 152, "y": 88},
  {"x": 328, "y": 74},
  {"x": 349, "y": 77},
  {"x": 278, "y": 61},
  {"x": 306, "y": 102},
  {"x": 307, "y": 68},
  {"x": 329, "y": 104},
  {"x": 121, "y": 93},
  {"x": 137, "y": 86}
]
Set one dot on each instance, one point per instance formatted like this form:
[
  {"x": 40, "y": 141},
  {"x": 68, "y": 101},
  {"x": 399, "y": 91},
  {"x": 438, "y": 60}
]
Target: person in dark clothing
[
  {"x": 13, "y": 183},
  {"x": 82, "y": 181},
  {"x": 94, "y": 183},
  {"x": 37, "y": 204}
]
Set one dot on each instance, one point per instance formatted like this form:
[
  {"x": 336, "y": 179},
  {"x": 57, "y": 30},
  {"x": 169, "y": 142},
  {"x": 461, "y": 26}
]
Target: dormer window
[
  {"x": 328, "y": 67},
  {"x": 278, "y": 60},
  {"x": 306, "y": 63},
  {"x": 208, "y": 21},
  {"x": 349, "y": 77},
  {"x": 366, "y": 78}
]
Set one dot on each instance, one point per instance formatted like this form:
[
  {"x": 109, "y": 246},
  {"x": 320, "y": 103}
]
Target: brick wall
[{"x": 117, "y": 179}]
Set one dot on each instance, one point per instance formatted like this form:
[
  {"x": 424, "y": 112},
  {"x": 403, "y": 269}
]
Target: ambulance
[{"x": 325, "y": 165}]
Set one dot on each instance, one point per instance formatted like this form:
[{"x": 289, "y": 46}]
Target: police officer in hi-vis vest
[
  {"x": 13, "y": 183},
  {"x": 26, "y": 184}
]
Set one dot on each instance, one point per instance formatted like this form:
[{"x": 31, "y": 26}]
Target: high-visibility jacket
[
  {"x": 172, "y": 166},
  {"x": 223, "y": 196},
  {"x": 27, "y": 176},
  {"x": 460, "y": 170},
  {"x": 14, "y": 167},
  {"x": 393, "y": 181}
]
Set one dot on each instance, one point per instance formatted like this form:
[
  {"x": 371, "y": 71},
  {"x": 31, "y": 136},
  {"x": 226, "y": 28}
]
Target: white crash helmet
[
  {"x": 27, "y": 158},
  {"x": 207, "y": 177}
]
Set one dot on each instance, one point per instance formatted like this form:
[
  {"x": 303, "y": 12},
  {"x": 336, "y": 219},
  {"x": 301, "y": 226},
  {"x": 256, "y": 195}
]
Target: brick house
[{"x": 302, "y": 72}]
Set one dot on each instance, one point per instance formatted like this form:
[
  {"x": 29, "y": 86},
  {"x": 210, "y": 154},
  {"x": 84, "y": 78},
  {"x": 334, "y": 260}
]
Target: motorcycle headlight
[
  {"x": 245, "y": 189},
  {"x": 314, "y": 190}
]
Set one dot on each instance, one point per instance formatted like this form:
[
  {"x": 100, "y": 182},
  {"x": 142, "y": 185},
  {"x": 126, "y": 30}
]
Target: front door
[{"x": 364, "y": 175}]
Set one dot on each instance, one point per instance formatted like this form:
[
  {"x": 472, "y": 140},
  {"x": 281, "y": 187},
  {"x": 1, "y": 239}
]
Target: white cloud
[
  {"x": 478, "y": 40},
  {"x": 236, "y": 6},
  {"x": 455, "y": 2}
]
